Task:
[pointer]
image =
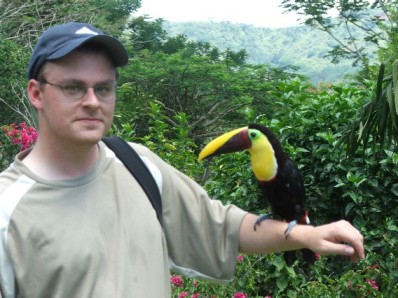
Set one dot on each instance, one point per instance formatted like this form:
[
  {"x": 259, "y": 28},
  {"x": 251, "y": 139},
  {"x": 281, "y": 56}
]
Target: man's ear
[{"x": 34, "y": 93}]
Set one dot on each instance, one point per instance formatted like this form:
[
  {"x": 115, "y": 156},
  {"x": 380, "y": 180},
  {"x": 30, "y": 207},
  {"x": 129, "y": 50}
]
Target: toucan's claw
[
  {"x": 260, "y": 219},
  {"x": 290, "y": 226}
]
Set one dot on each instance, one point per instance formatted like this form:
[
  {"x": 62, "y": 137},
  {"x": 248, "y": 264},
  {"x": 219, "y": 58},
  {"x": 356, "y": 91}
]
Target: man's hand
[{"x": 338, "y": 238}]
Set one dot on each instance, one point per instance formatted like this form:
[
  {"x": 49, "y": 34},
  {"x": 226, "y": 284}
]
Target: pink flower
[
  {"x": 240, "y": 258},
  {"x": 183, "y": 294},
  {"x": 21, "y": 134},
  {"x": 373, "y": 283},
  {"x": 240, "y": 295},
  {"x": 176, "y": 280},
  {"x": 349, "y": 284},
  {"x": 268, "y": 296},
  {"x": 196, "y": 295}
]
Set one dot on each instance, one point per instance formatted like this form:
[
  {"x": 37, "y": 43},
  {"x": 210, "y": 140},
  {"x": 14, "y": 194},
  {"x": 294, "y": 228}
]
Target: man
[{"x": 75, "y": 223}]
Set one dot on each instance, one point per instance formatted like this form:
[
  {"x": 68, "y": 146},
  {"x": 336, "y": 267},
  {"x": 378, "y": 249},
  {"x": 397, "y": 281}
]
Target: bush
[
  {"x": 361, "y": 189},
  {"x": 15, "y": 138}
]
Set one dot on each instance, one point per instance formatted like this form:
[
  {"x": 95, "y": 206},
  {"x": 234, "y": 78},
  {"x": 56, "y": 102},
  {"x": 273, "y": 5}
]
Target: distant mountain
[{"x": 300, "y": 46}]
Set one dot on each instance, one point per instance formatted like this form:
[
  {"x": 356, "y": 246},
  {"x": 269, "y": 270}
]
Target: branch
[{"x": 27, "y": 112}]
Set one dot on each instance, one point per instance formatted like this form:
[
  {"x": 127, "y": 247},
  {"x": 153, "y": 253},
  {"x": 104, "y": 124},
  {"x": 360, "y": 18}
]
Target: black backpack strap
[{"x": 138, "y": 169}]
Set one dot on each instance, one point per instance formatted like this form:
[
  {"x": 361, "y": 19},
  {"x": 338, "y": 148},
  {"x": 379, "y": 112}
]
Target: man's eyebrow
[
  {"x": 110, "y": 81},
  {"x": 72, "y": 81},
  {"x": 80, "y": 82}
]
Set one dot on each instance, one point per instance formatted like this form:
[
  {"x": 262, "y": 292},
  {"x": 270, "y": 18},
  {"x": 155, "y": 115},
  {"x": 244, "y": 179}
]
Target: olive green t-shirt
[{"x": 98, "y": 235}]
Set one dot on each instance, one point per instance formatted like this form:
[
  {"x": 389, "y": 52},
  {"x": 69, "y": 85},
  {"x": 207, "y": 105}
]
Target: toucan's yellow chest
[{"x": 263, "y": 160}]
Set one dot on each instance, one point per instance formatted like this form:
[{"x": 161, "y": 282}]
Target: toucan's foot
[
  {"x": 291, "y": 225},
  {"x": 260, "y": 219}
]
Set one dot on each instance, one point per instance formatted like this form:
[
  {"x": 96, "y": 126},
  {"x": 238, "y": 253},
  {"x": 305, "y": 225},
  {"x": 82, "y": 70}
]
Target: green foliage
[
  {"x": 146, "y": 34},
  {"x": 377, "y": 124},
  {"x": 361, "y": 32},
  {"x": 114, "y": 13},
  {"x": 14, "y": 138},
  {"x": 373, "y": 20},
  {"x": 178, "y": 93},
  {"x": 7, "y": 150},
  {"x": 13, "y": 61},
  {"x": 166, "y": 140},
  {"x": 24, "y": 21},
  {"x": 363, "y": 190},
  {"x": 388, "y": 52},
  {"x": 210, "y": 89}
]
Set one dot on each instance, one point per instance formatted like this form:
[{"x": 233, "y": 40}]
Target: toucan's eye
[{"x": 253, "y": 134}]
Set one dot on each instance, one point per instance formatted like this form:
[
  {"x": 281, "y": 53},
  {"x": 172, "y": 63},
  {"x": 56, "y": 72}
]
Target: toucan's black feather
[{"x": 284, "y": 190}]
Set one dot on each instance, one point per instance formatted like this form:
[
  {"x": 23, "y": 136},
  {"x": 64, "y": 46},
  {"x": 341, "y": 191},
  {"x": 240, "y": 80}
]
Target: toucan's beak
[{"x": 233, "y": 141}]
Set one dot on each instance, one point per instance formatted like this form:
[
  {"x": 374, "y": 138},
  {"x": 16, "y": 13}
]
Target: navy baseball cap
[{"x": 58, "y": 41}]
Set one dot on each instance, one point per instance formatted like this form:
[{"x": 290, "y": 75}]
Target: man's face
[{"x": 62, "y": 117}]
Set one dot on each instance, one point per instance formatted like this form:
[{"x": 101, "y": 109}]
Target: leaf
[
  {"x": 394, "y": 189},
  {"x": 291, "y": 271},
  {"x": 279, "y": 263},
  {"x": 391, "y": 103},
  {"x": 348, "y": 208},
  {"x": 355, "y": 197},
  {"x": 395, "y": 83},
  {"x": 281, "y": 282}
]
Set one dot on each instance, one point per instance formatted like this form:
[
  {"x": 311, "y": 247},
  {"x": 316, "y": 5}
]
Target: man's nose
[{"x": 90, "y": 98}]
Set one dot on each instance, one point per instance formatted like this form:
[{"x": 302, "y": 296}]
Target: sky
[{"x": 259, "y": 13}]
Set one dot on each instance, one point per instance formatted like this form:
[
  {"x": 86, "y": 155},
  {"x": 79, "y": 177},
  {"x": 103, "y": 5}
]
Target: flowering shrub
[
  {"x": 15, "y": 138},
  {"x": 240, "y": 295},
  {"x": 176, "y": 280},
  {"x": 373, "y": 283},
  {"x": 362, "y": 190},
  {"x": 241, "y": 286},
  {"x": 21, "y": 134},
  {"x": 240, "y": 258}
]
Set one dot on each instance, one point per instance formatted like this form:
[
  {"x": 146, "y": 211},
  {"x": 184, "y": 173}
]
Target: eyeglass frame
[{"x": 83, "y": 88}]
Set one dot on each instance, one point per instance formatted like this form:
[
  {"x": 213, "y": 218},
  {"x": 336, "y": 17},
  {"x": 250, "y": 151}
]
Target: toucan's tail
[{"x": 308, "y": 255}]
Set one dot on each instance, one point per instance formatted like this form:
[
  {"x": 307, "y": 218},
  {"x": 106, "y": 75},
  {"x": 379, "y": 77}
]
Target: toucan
[{"x": 279, "y": 178}]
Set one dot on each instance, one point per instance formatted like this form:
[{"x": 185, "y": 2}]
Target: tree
[
  {"x": 24, "y": 21},
  {"x": 13, "y": 61},
  {"x": 146, "y": 34},
  {"x": 377, "y": 20},
  {"x": 211, "y": 87},
  {"x": 21, "y": 22},
  {"x": 377, "y": 123},
  {"x": 367, "y": 24}
]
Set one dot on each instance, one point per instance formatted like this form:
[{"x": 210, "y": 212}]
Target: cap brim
[{"x": 115, "y": 49}]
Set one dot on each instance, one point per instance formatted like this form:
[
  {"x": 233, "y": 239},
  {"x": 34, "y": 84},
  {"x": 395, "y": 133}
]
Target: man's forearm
[
  {"x": 326, "y": 239},
  {"x": 269, "y": 236}
]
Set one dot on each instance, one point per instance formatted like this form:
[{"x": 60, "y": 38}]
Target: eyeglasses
[{"x": 76, "y": 90}]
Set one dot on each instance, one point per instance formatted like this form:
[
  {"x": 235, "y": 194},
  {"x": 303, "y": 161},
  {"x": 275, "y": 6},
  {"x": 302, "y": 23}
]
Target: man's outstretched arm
[{"x": 335, "y": 238}]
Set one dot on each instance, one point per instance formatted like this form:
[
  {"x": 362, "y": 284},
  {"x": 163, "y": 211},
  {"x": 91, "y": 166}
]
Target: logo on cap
[{"x": 85, "y": 30}]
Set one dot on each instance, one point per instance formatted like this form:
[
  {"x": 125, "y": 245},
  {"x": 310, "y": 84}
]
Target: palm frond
[{"x": 377, "y": 123}]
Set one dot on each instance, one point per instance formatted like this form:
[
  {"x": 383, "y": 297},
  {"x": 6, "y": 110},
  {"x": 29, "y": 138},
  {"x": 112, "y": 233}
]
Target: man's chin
[{"x": 90, "y": 137}]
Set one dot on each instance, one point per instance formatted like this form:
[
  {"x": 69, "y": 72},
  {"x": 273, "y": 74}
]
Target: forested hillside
[{"x": 299, "y": 46}]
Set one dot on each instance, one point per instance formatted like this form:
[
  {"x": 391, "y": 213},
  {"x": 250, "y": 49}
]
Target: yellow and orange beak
[{"x": 233, "y": 141}]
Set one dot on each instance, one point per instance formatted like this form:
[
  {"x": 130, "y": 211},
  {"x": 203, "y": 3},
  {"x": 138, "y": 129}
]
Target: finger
[
  {"x": 356, "y": 241},
  {"x": 350, "y": 235},
  {"x": 337, "y": 248}
]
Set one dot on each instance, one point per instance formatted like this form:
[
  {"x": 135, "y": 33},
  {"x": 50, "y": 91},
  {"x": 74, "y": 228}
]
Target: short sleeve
[{"x": 202, "y": 234}]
